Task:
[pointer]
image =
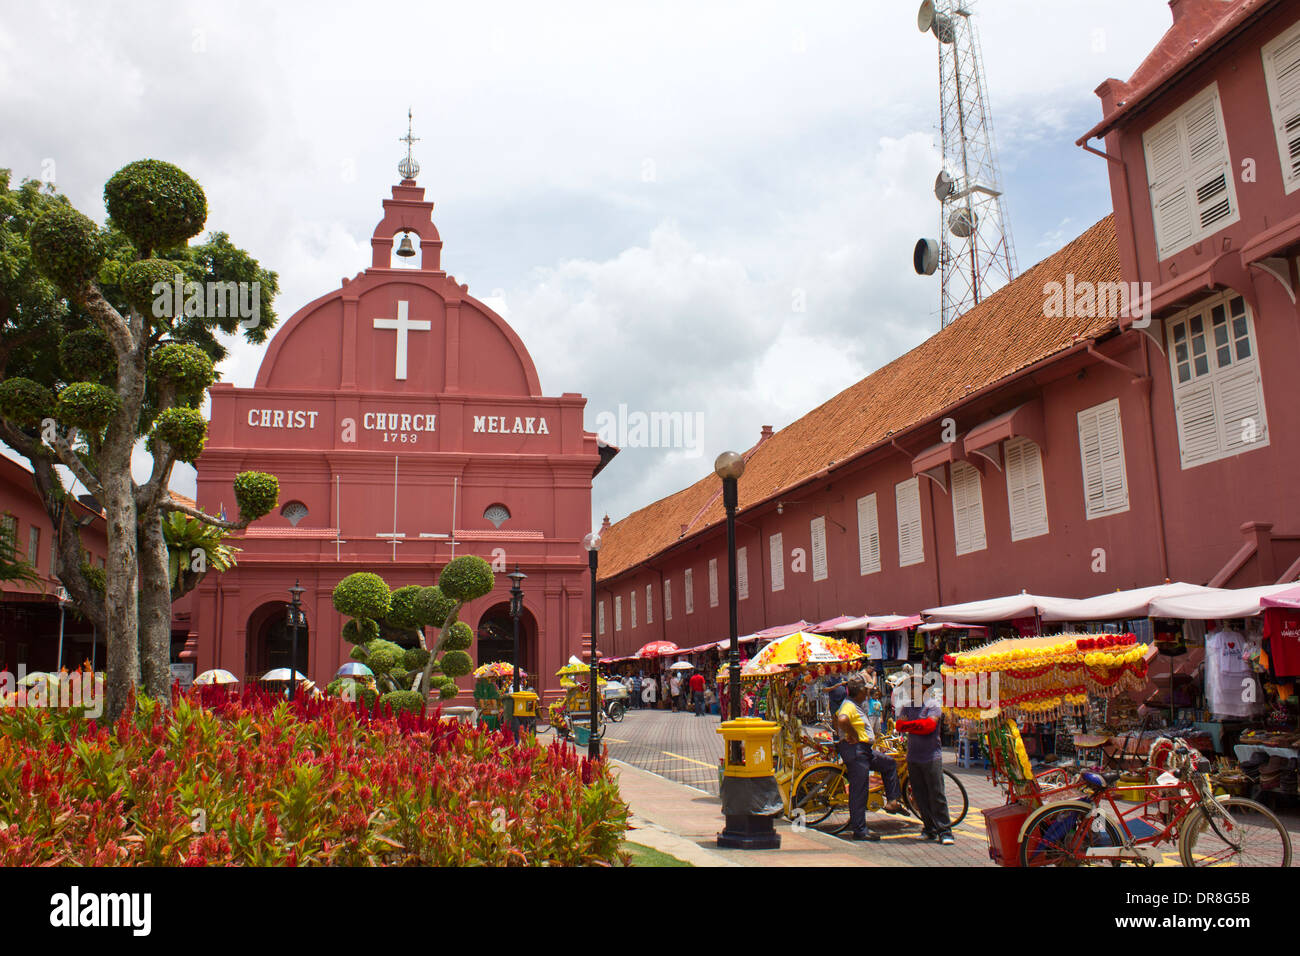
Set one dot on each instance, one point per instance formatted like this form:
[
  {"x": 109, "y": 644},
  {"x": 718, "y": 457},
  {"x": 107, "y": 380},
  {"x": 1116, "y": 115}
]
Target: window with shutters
[
  {"x": 967, "y": 508},
  {"x": 776, "y": 557},
  {"x": 713, "y": 582},
  {"x": 618, "y": 613},
  {"x": 688, "y": 586},
  {"x": 649, "y": 603},
  {"x": 907, "y": 502},
  {"x": 33, "y": 546},
  {"x": 1189, "y": 174},
  {"x": 868, "y": 535},
  {"x": 1026, "y": 494},
  {"x": 818, "y": 527},
  {"x": 600, "y": 618},
  {"x": 1282, "y": 73},
  {"x": 1218, "y": 395},
  {"x": 632, "y": 600},
  {"x": 668, "y": 599},
  {"x": 742, "y": 573},
  {"x": 1101, "y": 449}
]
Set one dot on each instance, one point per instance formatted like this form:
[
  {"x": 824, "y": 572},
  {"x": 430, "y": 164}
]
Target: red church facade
[
  {"x": 406, "y": 424},
  {"x": 1058, "y": 437}
]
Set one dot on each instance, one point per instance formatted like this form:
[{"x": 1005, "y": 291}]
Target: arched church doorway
[
  {"x": 494, "y": 640},
  {"x": 270, "y": 641}
]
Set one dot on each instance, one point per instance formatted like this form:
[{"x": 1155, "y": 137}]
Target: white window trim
[
  {"x": 600, "y": 618},
  {"x": 868, "y": 535},
  {"x": 618, "y": 612},
  {"x": 906, "y": 492},
  {"x": 776, "y": 555},
  {"x": 967, "y": 508},
  {"x": 742, "y": 574},
  {"x": 1033, "y": 525},
  {"x": 688, "y": 586},
  {"x": 817, "y": 549},
  {"x": 1098, "y": 415},
  {"x": 649, "y": 603},
  {"x": 1189, "y": 174},
  {"x": 1214, "y": 378},
  {"x": 713, "y": 582},
  {"x": 632, "y": 601},
  {"x": 1283, "y": 102},
  {"x": 668, "y": 599}
]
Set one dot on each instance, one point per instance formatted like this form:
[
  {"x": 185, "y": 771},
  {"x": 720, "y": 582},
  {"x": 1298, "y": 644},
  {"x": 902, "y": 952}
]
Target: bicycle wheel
[
  {"x": 823, "y": 796},
  {"x": 1250, "y": 835},
  {"x": 616, "y": 711},
  {"x": 953, "y": 790},
  {"x": 1056, "y": 836}
]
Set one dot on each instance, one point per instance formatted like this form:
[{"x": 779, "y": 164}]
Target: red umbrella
[{"x": 655, "y": 648}]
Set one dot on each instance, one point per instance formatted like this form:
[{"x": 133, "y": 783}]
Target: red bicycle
[{"x": 1179, "y": 808}]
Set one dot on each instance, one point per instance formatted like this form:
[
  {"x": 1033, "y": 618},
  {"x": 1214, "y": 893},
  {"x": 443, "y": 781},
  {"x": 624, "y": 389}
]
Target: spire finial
[{"x": 408, "y": 167}]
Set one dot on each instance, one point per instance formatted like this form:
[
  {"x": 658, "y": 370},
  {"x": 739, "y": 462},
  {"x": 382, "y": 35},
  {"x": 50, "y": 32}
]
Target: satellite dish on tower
[
  {"x": 929, "y": 20},
  {"x": 961, "y": 223},
  {"x": 944, "y": 185},
  {"x": 925, "y": 257},
  {"x": 925, "y": 16}
]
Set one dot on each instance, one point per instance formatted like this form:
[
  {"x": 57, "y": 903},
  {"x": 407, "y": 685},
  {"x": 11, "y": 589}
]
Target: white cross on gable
[{"x": 402, "y": 325}]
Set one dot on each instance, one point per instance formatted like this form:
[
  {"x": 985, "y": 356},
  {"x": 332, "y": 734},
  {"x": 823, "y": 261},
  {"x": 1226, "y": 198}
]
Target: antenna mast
[{"x": 975, "y": 255}]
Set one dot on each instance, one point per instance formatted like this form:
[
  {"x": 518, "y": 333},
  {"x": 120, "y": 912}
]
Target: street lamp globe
[
  {"x": 729, "y": 464},
  {"x": 592, "y": 542}
]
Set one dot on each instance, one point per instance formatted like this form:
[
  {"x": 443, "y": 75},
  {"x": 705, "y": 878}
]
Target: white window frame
[
  {"x": 1284, "y": 101},
  {"x": 713, "y": 582},
  {"x": 600, "y": 618},
  {"x": 967, "y": 508},
  {"x": 668, "y": 599},
  {"x": 742, "y": 574},
  {"x": 817, "y": 534},
  {"x": 688, "y": 586},
  {"x": 649, "y": 603},
  {"x": 776, "y": 555},
  {"x": 632, "y": 603},
  {"x": 618, "y": 612},
  {"x": 907, "y": 499},
  {"x": 868, "y": 535},
  {"x": 1182, "y": 160},
  {"x": 1218, "y": 391},
  {"x": 1102, "y": 460},
  {"x": 1026, "y": 489}
]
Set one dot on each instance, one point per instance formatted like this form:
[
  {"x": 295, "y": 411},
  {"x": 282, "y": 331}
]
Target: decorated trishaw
[
  {"x": 571, "y": 714},
  {"x": 492, "y": 683}
]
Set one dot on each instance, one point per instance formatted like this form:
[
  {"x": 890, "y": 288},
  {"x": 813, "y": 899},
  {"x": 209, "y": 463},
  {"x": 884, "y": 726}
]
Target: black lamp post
[
  {"x": 516, "y": 609},
  {"x": 592, "y": 543},
  {"x": 296, "y": 618},
  {"x": 729, "y": 466}
]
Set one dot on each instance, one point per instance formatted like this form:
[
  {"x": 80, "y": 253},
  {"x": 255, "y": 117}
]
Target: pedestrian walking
[
  {"x": 697, "y": 693},
  {"x": 675, "y": 687},
  {"x": 925, "y": 767},
  {"x": 636, "y": 690},
  {"x": 854, "y": 745}
]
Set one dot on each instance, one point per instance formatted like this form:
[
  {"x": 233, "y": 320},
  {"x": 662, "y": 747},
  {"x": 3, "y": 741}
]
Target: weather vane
[{"x": 408, "y": 167}]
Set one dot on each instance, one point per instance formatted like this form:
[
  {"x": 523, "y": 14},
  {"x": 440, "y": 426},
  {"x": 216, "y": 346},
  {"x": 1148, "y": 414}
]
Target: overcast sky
[{"x": 645, "y": 191}]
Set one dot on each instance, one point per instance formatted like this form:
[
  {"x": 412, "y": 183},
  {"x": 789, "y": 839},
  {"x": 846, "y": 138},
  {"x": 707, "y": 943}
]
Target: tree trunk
[
  {"x": 427, "y": 674},
  {"x": 155, "y": 609},
  {"x": 120, "y": 600}
]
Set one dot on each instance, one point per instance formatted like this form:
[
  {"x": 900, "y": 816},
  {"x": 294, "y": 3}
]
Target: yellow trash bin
[
  {"x": 525, "y": 704},
  {"x": 747, "y": 747}
]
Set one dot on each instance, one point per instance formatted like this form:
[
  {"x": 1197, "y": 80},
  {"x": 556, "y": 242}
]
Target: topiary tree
[
  {"x": 422, "y": 670},
  {"x": 97, "y": 355}
]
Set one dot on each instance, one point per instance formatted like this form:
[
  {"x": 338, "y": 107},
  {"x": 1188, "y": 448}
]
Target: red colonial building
[
  {"x": 1066, "y": 436},
  {"x": 406, "y": 424}
]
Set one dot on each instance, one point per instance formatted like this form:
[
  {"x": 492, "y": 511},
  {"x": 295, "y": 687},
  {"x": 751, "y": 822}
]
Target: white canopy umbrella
[
  {"x": 1122, "y": 605},
  {"x": 216, "y": 676},
  {"x": 682, "y": 666},
  {"x": 1000, "y": 609},
  {"x": 282, "y": 673},
  {"x": 1218, "y": 603}
]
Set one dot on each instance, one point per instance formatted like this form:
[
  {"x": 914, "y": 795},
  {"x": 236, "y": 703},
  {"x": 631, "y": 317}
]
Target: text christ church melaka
[{"x": 406, "y": 424}]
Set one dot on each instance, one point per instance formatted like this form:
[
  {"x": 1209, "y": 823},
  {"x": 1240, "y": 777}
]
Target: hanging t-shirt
[
  {"x": 874, "y": 649},
  {"x": 1230, "y": 685},
  {"x": 1282, "y": 628}
]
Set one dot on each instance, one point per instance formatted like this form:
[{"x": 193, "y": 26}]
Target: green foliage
[
  {"x": 24, "y": 402},
  {"x": 184, "y": 535},
  {"x": 434, "y": 607},
  {"x": 404, "y": 614},
  {"x": 139, "y": 280},
  {"x": 184, "y": 429},
  {"x": 87, "y": 406},
  {"x": 448, "y": 690},
  {"x": 185, "y": 366},
  {"x": 257, "y": 493},
  {"x": 66, "y": 246},
  {"x": 466, "y": 578},
  {"x": 456, "y": 664},
  {"x": 460, "y": 637},
  {"x": 94, "y": 576},
  {"x": 398, "y": 675},
  {"x": 155, "y": 203},
  {"x": 408, "y": 700},
  {"x": 88, "y": 356},
  {"x": 352, "y": 689},
  {"x": 360, "y": 631},
  {"x": 383, "y": 656},
  {"x": 12, "y": 565},
  {"x": 363, "y": 595},
  {"x": 415, "y": 658}
]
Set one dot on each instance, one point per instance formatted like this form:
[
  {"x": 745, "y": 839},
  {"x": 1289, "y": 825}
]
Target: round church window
[
  {"x": 294, "y": 512},
  {"x": 497, "y": 514}
]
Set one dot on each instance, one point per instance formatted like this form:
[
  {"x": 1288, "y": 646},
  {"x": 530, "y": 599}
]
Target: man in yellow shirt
[{"x": 860, "y": 759}]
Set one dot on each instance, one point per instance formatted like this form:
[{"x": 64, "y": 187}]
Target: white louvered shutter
[
  {"x": 1101, "y": 448},
  {"x": 1026, "y": 494},
  {"x": 688, "y": 586},
  {"x": 868, "y": 535},
  {"x": 742, "y": 574},
  {"x": 776, "y": 557},
  {"x": 713, "y": 582},
  {"x": 818, "y": 528},
  {"x": 967, "y": 508},
  {"x": 907, "y": 502},
  {"x": 1241, "y": 408},
  {"x": 649, "y": 603},
  {"x": 600, "y": 616},
  {"x": 1282, "y": 71},
  {"x": 618, "y": 612},
  {"x": 668, "y": 599}
]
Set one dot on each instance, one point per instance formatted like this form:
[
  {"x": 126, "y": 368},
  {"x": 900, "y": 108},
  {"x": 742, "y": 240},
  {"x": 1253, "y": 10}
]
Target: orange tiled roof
[
  {"x": 179, "y": 498},
  {"x": 1005, "y": 333}
]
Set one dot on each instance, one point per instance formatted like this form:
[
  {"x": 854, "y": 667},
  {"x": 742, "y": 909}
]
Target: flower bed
[{"x": 254, "y": 781}]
